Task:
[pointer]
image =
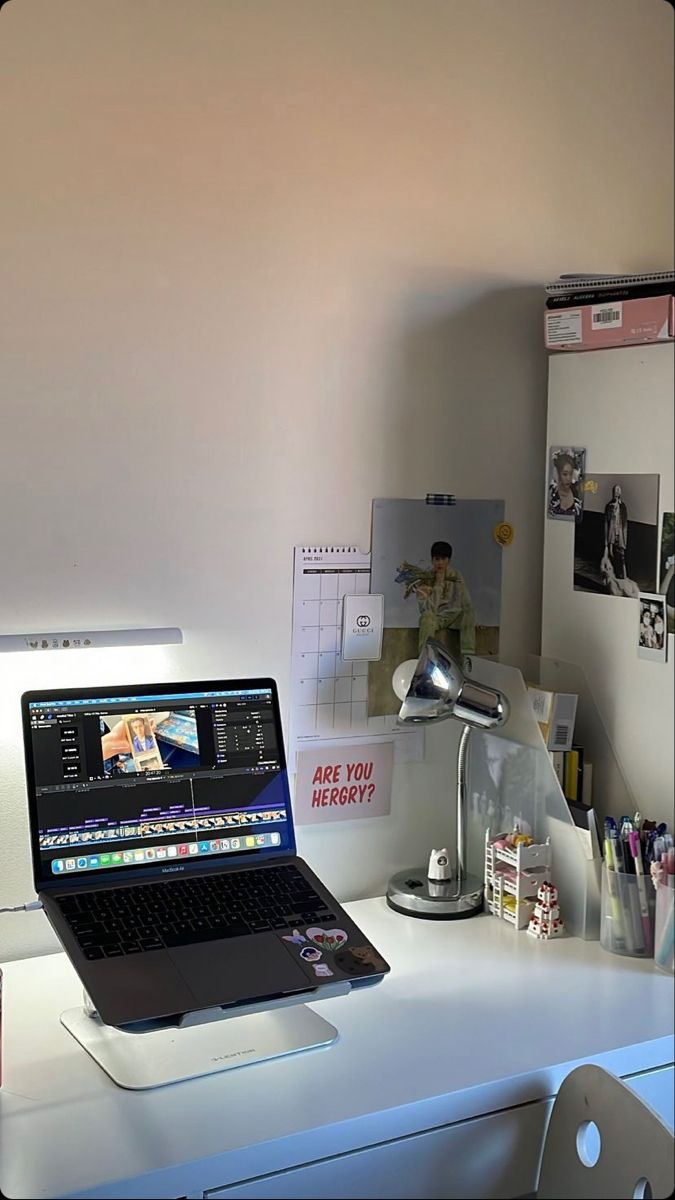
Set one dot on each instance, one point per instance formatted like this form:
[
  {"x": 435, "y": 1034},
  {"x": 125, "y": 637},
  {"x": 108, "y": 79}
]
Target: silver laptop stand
[{"x": 201, "y": 1043}]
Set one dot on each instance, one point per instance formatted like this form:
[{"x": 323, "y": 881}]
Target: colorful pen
[
  {"x": 617, "y": 931},
  {"x": 634, "y": 840},
  {"x": 628, "y": 914}
]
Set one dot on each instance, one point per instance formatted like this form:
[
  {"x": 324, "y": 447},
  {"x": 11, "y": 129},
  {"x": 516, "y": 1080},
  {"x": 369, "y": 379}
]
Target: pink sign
[{"x": 343, "y": 784}]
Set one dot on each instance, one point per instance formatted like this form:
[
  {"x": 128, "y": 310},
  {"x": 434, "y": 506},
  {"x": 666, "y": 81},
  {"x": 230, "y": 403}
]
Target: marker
[
  {"x": 617, "y": 934},
  {"x": 634, "y": 839},
  {"x": 622, "y": 886}
]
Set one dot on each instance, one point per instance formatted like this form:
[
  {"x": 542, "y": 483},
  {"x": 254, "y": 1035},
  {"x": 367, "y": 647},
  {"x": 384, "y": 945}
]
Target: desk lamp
[{"x": 432, "y": 689}]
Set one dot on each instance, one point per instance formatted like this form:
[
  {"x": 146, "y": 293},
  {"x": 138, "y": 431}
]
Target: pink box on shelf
[{"x": 612, "y": 323}]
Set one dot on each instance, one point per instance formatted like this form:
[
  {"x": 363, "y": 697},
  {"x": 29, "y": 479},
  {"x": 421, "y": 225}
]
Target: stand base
[
  {"x": 160, "y": 1056},
  {"x": 414, "y": 895}
]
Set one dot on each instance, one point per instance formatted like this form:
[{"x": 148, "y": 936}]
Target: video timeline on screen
[
  {"x": 175, "y": 827},
  {"x": 204, "y": 806}
]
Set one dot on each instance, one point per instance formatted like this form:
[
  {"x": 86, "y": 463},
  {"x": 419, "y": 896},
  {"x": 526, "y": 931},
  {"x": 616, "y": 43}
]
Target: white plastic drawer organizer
[{"x": 513, "y": 876}]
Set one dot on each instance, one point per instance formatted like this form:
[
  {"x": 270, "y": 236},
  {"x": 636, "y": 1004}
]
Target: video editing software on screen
[{"x": 130, "y": 780}]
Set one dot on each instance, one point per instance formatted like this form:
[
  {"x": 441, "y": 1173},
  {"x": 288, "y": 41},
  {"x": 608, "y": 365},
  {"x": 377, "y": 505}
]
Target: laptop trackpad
[{"x": 238, "y": 969}]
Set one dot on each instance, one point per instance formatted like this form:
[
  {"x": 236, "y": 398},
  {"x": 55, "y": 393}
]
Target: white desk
[{"x": 439, "y": 1085}]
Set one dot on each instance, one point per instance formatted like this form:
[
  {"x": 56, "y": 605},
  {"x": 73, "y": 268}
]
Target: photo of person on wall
[
  {"x": 443, "y": 600},
  {"x": 566, "y": 473},
  {"x": 652, "y": 636},
  {"x": 438, "y": 566},
  {"x": 615, "y": 546},
  {"x": 667, "y": 567},
  {"x": 616, "y": 532}
]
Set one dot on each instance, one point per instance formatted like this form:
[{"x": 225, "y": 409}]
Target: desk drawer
[
  {"x": 657, "y": 1088},
  {"x": 494, "y": 1156}
]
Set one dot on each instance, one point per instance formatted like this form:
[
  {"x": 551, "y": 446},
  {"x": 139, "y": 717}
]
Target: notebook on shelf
[{"x": 576, "y": 281}]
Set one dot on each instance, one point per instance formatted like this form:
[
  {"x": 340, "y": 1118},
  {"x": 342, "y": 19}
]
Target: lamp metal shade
[{"x": 439, "y": 690}]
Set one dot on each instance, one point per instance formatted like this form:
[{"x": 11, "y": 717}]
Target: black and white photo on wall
[
  {"x": 652, "y": 637},
  {"x": 565, "y": 496},
  {"x": 667, "y": 567},
  {"x": 616, "y": 544}
]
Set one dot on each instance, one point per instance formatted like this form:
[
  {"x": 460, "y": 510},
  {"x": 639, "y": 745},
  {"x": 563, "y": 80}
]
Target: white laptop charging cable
[{"x": 32, "y": 904}]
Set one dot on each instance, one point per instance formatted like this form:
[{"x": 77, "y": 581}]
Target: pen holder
[
  {"x": 664, "y": 929},
  {"x": 627, "y": 905}
]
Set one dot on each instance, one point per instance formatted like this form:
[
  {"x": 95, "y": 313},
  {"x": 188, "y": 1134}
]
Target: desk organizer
[
  {"x": 517, "y": 873},
  {"x": 627, "y": 914},
  {"x": 511, "y": 780}
]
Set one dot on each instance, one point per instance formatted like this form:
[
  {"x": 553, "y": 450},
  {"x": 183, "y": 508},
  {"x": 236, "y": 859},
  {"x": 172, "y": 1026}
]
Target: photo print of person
[
  {"x": 667, "y": 567},
  {"x": 439, "y": 570},
  {"x": 141, "y": 734},
  {"x": 652, "y": 637},
  {"x": 152, "y": 762},
  {"x": 151, "y": 740},
  {"x": 615, "y": 546},
  {"x": 565, "y": 499}
]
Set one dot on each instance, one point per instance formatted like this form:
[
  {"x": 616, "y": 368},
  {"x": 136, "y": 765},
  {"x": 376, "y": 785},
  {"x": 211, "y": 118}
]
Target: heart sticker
[{"x": 328, "y": 939}]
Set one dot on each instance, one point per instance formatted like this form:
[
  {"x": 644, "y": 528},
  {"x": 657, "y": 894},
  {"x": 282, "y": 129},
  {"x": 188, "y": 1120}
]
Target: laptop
[{"x": 164, "y": 852}]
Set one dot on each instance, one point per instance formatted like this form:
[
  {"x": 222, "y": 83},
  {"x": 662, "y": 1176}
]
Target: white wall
[{"x": 265, "y": 261}]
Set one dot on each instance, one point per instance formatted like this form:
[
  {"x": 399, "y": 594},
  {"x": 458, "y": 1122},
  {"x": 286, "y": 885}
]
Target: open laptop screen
[{"x": 154, "y": 776}]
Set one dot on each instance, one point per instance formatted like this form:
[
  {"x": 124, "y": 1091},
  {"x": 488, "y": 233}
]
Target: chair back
[{"x": 603, "y": 1141}]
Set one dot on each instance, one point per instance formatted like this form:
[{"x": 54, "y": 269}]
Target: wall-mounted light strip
[{"x": 89, "y": 639}]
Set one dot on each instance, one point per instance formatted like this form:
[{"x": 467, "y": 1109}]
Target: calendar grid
[{"x": 330, "y": 696}]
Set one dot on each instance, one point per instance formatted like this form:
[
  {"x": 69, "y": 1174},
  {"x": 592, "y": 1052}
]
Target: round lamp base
[{"x": 414, "y": 895}]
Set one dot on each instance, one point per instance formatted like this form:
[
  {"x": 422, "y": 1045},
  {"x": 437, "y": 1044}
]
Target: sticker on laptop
[
  {"x": 322, "y": 970},
  {"x": 295, "y": 937},
  {"x": 360, "y": 960},
  {"x": 311, "y": 953},
  {"x": 327, "y": 939}
]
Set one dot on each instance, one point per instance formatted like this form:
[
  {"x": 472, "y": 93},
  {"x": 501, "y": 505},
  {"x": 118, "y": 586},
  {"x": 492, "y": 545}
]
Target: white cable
[{"x": 30, "y": 907}]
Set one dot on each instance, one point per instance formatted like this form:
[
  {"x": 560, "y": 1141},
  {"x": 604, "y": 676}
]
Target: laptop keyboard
[{"x": 180, "y": 912}]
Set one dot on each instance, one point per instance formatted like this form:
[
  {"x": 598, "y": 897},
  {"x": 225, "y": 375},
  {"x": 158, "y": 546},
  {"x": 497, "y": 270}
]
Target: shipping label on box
[
  {"x": 613, "y": 323},
  {"x": 555, "y": 713}
]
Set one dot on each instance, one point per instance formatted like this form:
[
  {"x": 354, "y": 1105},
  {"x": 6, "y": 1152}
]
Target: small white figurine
[{"x": 439, "y": 866}]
